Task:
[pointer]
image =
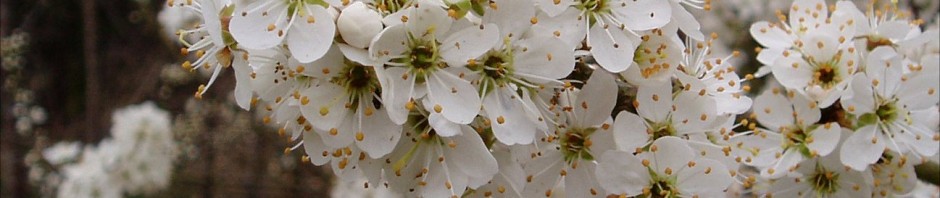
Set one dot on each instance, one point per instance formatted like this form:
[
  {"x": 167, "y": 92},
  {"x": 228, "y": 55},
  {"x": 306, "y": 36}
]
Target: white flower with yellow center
[
  {"x": 668, "y": 169},
  {"x": 428, "y": 164},
  {"x": 883, "y": 27},
  {"x": 805, "y": 16},
  {"x": 715, "y": 75},
  {"x": 510, "y": 74},
  {"x": 582, "y": 131},
  {"x": 347, "y": 162},
  {"x": 306, "y": 25},
  {"x": 610, "y": 25},
  {"x": 425, "y": 58},
  {"x": 342, "y": 106},
  {"x": 658, "y": 53},
  {"x": 822, "y": 177},
  {"x": 510, "y": 181},
  {"x": 215, "y": 49},
  {"x": 278, "y": 79},
  {"x": 882, "y": 99},
  {"x": 792, "y": 133},
  {"x": 663, "y": 113},
  {"x": 893, "y": 176},
  {"x": 820, "y": 68}
]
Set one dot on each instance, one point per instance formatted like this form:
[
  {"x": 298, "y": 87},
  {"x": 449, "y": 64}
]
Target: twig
[{"x": 91, "y": 70}]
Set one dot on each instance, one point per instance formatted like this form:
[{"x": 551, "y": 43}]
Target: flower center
[
  {"x": 591, "y": 8},
  {"x": 887, "y": 112},
  {"x": 796, "y": 137},
  {"x": 497, "y": 69},
  {"x": 391, "y": 6},
  {"x": 825, "y": 182},
  {"x": 358, "y": 80},
  {"x": 421, "y": 127},
  {"x": 421, "y": 58},
  {"x": 876, "y": 41},
  {"x": 662, "y": 130},
  {"x": 661, "y": 188},
  {"x": 649, "y": 58},
  {"x": 826, "y": 75},
  {"x": 576, "y": 143}
]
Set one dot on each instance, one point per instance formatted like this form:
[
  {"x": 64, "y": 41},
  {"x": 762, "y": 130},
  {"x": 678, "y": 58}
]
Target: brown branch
[{"x": 91, "y": 70}]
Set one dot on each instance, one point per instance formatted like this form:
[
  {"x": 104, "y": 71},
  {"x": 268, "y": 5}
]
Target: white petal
[
  {"x": 807, "y": 112},
  {"x": 642, "y": 15},
  {"x": 580, "y": 181},
  {"x": 893, "y": 30},
  {"x": 596, "y": 100},
  {"x": 687, "y": 23},
  {"x": 770, "y": 36},
  {"x": 731, "y": 104},
  {"x": 569, "y": 26},
  {"x": 861, "y": 99},
  {"x": 399, "y": 93},
  {"x": 210, "y": 16},
  {"x": 620, "y": 172},
  {"x": 885, "y": 65},
  {"x": 853, "y": 13},
  {"x": 380, "y": 134},
  {"x": 472, "y": 157},
  {"x": 468, "y": 43},
  {"x": 544, "y": 182},
  {"x": 920, "y": 91},
  {"x": 918, "y": 137},
  {"x": 821, "y": 47},
  {"x": 553, "y": 9},
  {"x": 603, "y": 139},
  {"x": 507, "y": 117},
  {"x": 458, "y": 99},
  {"x": 391, "y": 42},
  {"x": 511, "y": 16},
  {"x": 805, "y": 10},
  {"x": 315, "y": 148},
  {"x": 357, "y": 55},
  {"x": 425, "y": 19},
  {"x": 789, "y": 76},
  {"x": 327, "y": 106},
  {"x": 267, "y": 82},
  {"x": 825, "y": 140},
  {"x": 547, "y": 57},
  {"x": 344, "y": 133},
  {"x": 671, "y": 153},
  {"x": 243, "y": 91},
  {"x": 310, "y": 38},
  {"x": 442, "y": 126},
  {"x": 612, "y": 48},
  {"x": 781, "y": 166},
  {"x": 693, "y": 112},
  {"x": 768, "y": 57},
  {"x": 773, "y": 110},
  {"x": 655, "y": 101},
  {"x": 630, "y": 132},
  {"x": 258, "y": 25},
  {"x": 858, "y": 151},
  {"x": 325, "y": 67},
  {"x": 695, "y": 181}
]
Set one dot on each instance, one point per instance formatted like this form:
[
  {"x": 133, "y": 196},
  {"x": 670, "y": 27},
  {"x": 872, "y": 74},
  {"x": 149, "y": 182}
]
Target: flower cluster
[
  {"x": 137, "y": 160},
  {"x": 583, "y": 98}
]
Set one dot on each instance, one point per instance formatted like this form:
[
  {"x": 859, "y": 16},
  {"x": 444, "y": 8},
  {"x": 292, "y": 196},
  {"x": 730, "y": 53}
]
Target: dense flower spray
[{"x": 583, "y": 98}]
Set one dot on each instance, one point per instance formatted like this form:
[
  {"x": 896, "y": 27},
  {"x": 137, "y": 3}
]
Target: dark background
[{"x": 84, "y": 59}]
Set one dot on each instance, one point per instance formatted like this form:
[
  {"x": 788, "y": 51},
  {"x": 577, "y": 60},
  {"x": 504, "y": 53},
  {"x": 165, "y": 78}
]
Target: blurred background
[{"x": 67, "y": 65}]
